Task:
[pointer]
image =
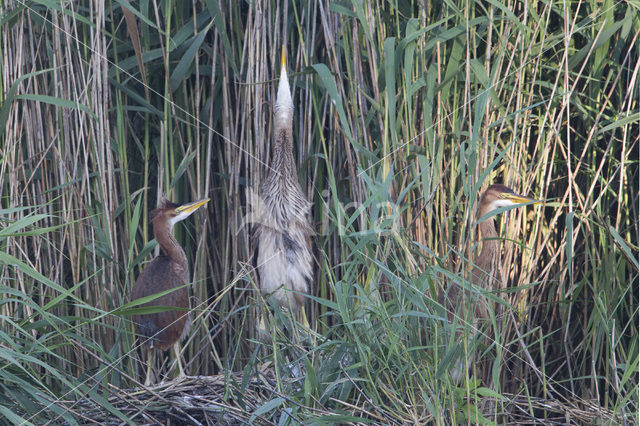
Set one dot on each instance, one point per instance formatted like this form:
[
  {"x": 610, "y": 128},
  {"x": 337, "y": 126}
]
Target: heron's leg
[
  {"x": 151, "y": 355},
  {"x": 302, "y": 318},
  {"x": 176, "y": 351},
  {"x": 262, "y": 328},
  {"x": 262, "y": 325}
]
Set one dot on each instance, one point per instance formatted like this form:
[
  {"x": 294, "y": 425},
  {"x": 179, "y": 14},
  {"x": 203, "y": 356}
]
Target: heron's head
[
  {"x": 498, "y": 195},
  {"x": 170, "y": 213},
  {"x": 284, "y": 103}
]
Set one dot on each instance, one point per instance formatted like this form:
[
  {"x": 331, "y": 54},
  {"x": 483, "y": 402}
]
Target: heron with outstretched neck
[
  {"x": 168, "y": 271},
  {"x": 283, "y": 233}
]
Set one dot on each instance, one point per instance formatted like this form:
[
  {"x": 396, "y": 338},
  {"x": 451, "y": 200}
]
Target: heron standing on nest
[
  {"x": 486, "y": 270},
  {"x": 167, "y": 271},
  {"x": 283, "y": 234}
]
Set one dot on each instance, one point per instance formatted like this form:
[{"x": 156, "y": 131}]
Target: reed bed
[{"x": 405, "y": 111}]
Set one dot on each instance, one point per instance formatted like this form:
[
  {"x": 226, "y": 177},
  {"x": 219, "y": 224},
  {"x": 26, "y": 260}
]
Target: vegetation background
[{"x": 405, "y": 110}]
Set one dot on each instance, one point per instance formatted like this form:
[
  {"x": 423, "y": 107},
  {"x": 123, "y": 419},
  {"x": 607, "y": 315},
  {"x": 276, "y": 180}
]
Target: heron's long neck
[
  {"x": 490, "y": 246},
  {"x": 489, "y": 236},
  {"x": 169, "y": 245},
  {"x": 283, "y": 162}
]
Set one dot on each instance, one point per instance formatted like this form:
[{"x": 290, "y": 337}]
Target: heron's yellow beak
[
  {"x": 190, "y": 207},
  {"x": 283, "y": 63},
  {"x": 520, "y": 199}
]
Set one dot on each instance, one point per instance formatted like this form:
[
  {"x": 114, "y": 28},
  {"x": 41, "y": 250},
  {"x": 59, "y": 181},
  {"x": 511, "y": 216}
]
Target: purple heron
[
  {"x": 167, "y": 271},
  {"x": 486, "y": 269},
  {"x": 487, "y": 264},
  {"x": 283, "y": 234}
]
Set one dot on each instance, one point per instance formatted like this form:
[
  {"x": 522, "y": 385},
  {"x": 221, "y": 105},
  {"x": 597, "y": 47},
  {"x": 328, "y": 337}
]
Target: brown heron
[
  {"x": 167, "y": 271},
  {"x": 487, "y": 264},
  {"x": 283, "y": 234},
  {"x": 486, "y": 270}
]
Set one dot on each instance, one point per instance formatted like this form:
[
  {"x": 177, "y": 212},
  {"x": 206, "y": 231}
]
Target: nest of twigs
[
  {"x": 227, "y": 400},
  {"x": 207, "y": 400}
]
